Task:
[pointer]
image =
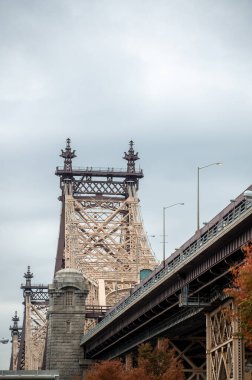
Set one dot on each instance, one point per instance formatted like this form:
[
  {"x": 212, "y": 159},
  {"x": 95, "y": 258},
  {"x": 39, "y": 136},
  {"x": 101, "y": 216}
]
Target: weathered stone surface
[{"x": 66, "y": 316}]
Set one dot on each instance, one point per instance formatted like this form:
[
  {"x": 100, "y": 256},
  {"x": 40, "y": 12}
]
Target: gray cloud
[{"x": 173, "y": 76}]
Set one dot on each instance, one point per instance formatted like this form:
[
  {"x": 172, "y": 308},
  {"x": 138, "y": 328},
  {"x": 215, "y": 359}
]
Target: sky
[{"x": 173, "y": 76}]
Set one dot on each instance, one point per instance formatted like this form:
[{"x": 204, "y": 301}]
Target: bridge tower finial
[
  {"x": 14, "y": 328},
  {"x": 131, "y": 157},
  {"x": 68, "y": 155},
  {"x": 28, "y": 276}
]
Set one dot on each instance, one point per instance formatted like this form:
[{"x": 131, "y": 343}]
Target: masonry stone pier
[{"x": 66, "y": 315}]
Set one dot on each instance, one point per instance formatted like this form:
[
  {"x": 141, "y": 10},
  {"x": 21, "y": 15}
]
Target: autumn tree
[
  {"x": 106, "y": 370},
  {"x": 136, "y": 374},
  {"x": 241, "y": 291},
  {"x": 159, "y": 363}
]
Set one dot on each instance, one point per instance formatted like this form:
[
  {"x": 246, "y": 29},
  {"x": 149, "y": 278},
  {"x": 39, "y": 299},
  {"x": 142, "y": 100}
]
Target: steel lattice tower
[
  {"x": 29, "y": 343},
  {"x": 101, "y": 230},
  {"x": 102, "y": 235}
]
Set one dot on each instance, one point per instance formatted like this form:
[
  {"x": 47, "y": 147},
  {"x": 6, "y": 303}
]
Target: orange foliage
[
  {"x": 159, "y": 363},
  {"x": 107, "y": 370},
  {"x": 241, "y": 291},
  {"x": 136, "y": 374}
]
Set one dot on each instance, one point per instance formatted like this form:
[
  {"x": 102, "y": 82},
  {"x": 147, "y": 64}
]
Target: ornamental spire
[
  {"x": 68, "y": 155},
  {"x": 131, "y": 157},
  {"x": 28, "y": 276},
  {"x": 14, "y": 328}
]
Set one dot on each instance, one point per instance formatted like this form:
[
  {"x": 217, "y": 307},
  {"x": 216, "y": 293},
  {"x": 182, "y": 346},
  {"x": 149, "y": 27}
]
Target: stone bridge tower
[{"x": 66, "y": 315}]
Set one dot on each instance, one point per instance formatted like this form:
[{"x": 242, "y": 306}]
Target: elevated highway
[{"x": 174, "y": 300}]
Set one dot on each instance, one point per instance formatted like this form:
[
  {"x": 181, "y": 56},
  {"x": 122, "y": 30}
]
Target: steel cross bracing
[
  {"x": 28, "y": 345},
  {"x": 224, "y": 344},
  {"x": 102, "y": 232}
]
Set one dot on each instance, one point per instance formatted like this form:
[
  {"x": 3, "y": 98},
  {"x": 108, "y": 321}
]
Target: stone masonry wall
[{"x": 65, "y": 324}]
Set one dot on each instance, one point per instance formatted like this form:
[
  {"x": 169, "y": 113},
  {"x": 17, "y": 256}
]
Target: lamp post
[
  {"x": 164, "y": 242},
  {"x": 198, "y": 190}
]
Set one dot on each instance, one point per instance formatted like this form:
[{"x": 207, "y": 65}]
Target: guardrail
[
  {"x": 97, "y": 308},
  {"x": 212, "y": 233},
  {"x": 99, "y": 169}
]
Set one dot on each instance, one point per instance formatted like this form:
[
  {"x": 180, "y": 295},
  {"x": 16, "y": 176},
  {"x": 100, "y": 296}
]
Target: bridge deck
[{"x": 201, "y": 265}]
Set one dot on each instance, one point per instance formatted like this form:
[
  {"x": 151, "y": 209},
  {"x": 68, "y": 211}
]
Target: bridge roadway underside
[{"x": 158, "y": 313}]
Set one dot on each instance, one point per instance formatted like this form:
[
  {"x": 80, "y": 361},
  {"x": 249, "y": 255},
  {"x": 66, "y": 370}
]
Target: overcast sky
[{"x": 174, "y": 76}]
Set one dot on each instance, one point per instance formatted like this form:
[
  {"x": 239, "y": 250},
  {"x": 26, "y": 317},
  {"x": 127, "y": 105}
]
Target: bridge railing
[
  {"x": 217, "y": 228},
  {"x": 237, "y": 212},
  {"x": 91, "y": 169}
]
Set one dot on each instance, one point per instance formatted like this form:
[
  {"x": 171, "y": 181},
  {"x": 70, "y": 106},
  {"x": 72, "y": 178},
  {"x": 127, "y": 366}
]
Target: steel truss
[
  {"x": 28, "y": 350},
  {"x": 102, "y": 232},
  {"x": 224, "y": 344},
  {"x": 190, "y": 352},
  {"x": 16, "y": 333}
]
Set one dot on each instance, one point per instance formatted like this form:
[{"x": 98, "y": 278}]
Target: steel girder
[{"x": 225, "y": 354}]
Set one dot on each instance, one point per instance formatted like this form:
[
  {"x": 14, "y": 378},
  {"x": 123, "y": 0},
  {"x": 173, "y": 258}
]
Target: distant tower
[
  {"x": 15, "y": 334},
  {"x": 66, "y": 316},
  {"x": 32, "y": 339},
  {"x": 101, "y": 230}
]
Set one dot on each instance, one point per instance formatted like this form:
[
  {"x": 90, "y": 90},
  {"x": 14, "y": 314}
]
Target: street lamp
[
  {"x": 164, "y": 242},
  {"x": 198, "y": 190}
]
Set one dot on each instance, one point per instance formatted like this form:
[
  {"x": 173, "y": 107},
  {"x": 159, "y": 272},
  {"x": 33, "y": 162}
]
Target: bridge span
[
  {"x": 97, "y": 308},
  {"x": 182, "y": 300}
]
